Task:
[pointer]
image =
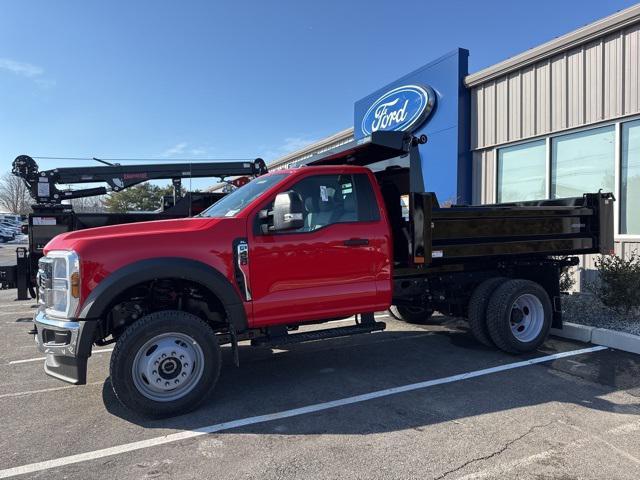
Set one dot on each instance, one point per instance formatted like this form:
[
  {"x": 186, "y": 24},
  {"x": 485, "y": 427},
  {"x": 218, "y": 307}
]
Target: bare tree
[
  {"x": 89, "y": 204},
  {"x": 14, "y": 195},
  {"x": 448, "y": 203}
]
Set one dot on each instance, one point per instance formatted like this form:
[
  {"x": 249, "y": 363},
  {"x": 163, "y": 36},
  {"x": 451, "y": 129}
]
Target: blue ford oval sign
[{"x": 401, "y": 109}]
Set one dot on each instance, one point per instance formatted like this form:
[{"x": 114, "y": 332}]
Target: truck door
[{"x": 337, "y": 264}]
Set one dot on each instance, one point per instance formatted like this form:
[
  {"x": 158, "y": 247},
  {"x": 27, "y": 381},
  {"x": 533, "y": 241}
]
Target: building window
[
  {"x": 583, "y": 162},
  {"x": 630, "y": 179},
  {"x": 521, "y": 172}
]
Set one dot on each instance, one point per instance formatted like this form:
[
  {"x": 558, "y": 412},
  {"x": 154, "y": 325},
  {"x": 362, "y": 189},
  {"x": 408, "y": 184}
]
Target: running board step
[{"x": 288, "y": 339}]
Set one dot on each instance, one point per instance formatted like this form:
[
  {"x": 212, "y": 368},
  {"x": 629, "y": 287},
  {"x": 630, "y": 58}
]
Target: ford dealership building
[{"x": 555, "y": 121}]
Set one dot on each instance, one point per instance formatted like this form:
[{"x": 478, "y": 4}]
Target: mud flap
[{"x": 68, "y": 369}]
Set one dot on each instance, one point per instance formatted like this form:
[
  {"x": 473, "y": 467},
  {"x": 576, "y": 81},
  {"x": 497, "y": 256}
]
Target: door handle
[{"x": 356, "y": 242}]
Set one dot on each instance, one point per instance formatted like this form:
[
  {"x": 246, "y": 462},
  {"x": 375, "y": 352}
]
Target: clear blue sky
[{"x": 240, "y": 79}]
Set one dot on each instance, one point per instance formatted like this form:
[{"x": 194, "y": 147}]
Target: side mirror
[{"x": 288, "y": 212}]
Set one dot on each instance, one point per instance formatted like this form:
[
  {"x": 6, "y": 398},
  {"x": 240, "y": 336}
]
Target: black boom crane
[
  {"x": 51, "y": 216},
  {"x": 43, "y": 185}
]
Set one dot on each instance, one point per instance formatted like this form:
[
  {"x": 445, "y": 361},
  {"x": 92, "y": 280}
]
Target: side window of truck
[{"x": 330, "y": 199}]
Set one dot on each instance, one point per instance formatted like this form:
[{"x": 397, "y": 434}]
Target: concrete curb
[
  {"x": 599, "y": 336},
  {"x": 574, "y": 331}
]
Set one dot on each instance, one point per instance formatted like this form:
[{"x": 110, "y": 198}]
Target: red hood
[
  {"x": 103, "y": 250},
  {"x": 70, "y": 240}
]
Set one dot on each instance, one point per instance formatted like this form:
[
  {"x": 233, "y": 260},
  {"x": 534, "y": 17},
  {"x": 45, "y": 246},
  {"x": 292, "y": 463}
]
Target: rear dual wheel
[
  {"x": 514, "y": 315},
  {"x": 478, "y": 309},
  {"x": 519, "y": 316}
]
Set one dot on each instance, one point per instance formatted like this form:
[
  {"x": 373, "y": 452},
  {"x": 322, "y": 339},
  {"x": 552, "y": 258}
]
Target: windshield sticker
[
  {"x": 231, "y": 213},
  {"x": 44, "y": 220},
  {"x": 324, "y": 195}
]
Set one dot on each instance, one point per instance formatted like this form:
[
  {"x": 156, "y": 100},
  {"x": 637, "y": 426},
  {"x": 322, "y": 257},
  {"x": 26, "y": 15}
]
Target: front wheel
[
  {"x": 411, "y": 314},
  {"x": 165, "y": 364},
  {"x": 519, "y": 316}
]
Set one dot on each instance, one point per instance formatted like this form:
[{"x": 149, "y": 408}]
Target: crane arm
[{"x": 43, "y": 185}]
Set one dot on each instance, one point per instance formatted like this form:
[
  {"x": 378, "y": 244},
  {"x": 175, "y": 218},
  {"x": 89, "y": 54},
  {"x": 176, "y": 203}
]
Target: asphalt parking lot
[{"x": 410, "y": 402}]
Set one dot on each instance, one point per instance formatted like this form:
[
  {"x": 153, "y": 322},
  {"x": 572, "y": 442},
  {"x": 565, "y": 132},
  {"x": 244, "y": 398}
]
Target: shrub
[
  {"x": 619, "y": 283},
  {"x": 567, "y": 281}
]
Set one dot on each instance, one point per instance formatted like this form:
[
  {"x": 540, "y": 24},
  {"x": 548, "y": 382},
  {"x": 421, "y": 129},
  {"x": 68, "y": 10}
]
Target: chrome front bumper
[
  {"x": 56, "y": 337},
  {"x": 67, "y": 345}
]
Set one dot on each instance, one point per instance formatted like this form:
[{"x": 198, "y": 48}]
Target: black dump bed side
[{"x": 567, "y": 226}]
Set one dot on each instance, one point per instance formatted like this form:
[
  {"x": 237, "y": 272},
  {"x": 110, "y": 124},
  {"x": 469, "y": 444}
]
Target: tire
[
  {"x": 415, "y": 315},
  {"x": 519, "y": 316},
  {"x": 179, "y": 336},
  {"x": 478, "y": 303}
]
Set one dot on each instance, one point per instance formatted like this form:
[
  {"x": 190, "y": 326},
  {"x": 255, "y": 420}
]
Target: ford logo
[{"x": 401, "y": 109}]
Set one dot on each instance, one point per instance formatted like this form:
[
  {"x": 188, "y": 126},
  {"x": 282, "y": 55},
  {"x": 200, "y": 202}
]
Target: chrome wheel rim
[
  {"x": 167, "y": 367},
  {"x": 527, "y": 318}
]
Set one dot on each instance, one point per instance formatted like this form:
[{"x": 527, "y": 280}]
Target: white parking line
[
  {"x": 44, "y": 390},
  {"x": 39, "y": 359},
  {"x": 175, "y": 437},
  {"x": 616, "y": 449}
]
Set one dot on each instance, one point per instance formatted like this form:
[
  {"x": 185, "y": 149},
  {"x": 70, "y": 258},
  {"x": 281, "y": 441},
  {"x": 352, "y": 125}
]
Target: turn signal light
[{"x": 75, "y": 285}]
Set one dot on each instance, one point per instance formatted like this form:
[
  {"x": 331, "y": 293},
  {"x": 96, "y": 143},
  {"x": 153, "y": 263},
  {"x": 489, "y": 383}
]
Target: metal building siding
[
  {"x": 528, "y": 114},
  {"x": 489, "y": 190},
  {"x": 514, "y": 112},
  {"x": 613, "y": 76},
  {"x": 483, "y": 188},
  {"x": 502, "y": 111},
  {"x": 543, "y": 97},
  {"x": 631, "y": 66},
  {"x": 476, "y": 177},
  {"x": 596, "y": 81},
  {"x": 489, "y": 114},
  {"x": 558, "y": 93},
  {"x": 476, "y": 117},
  {"x": 626, "y": 248},
  {"x": 594, "y": 77},
  {"x": 575, "y": 88}
]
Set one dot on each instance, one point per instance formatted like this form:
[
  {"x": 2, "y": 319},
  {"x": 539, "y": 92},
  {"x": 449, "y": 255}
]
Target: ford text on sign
[{"x": 401, "y": 109}]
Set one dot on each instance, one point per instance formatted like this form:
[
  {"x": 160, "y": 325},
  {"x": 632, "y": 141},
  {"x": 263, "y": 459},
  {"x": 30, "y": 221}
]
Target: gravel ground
[{"x": 586, "y": 309}]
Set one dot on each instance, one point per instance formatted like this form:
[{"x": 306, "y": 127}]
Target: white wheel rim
[
  {"x": 527, "y": 318},
  {"x": 167, "y": 367}
]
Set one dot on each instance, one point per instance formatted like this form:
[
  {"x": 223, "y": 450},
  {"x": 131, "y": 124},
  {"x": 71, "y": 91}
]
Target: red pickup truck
[{"x": 307, "y": 245}]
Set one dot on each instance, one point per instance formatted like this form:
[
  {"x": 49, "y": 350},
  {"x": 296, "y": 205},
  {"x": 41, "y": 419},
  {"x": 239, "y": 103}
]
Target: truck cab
[{"x": 306, "y": 245}]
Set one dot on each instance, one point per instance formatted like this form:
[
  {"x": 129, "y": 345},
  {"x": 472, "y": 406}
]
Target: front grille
[{"x": 45, "y": 280}]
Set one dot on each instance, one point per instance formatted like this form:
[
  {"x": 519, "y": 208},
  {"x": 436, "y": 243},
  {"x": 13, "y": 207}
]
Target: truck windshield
[{"x": 231, "y": 204}]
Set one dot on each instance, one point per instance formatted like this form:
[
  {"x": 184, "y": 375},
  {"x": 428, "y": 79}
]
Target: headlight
[{"x": 59, "y": 283}]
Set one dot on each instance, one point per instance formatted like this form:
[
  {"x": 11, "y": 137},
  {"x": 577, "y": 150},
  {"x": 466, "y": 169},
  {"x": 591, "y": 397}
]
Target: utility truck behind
[{"x": 308, "y": 245}]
